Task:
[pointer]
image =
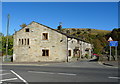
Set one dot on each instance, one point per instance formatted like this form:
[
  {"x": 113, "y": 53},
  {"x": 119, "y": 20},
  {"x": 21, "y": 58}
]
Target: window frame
[
  {"x": 44, "y": 36},
  {"x": 27, "y": 29},
  {"x": 45, "y": 52}
]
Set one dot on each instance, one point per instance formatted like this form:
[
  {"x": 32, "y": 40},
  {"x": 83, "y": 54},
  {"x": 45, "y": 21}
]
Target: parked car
[{"x": 95, "y": 57}]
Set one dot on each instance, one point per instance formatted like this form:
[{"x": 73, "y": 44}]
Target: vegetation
[
  {"x": 3, "y": 44},
  {"x": 23, "y": 25},
  {"x": 96, "y": 37}
]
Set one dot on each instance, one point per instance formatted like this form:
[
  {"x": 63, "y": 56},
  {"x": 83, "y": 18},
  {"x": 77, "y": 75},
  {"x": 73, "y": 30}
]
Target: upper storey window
[
  {"x": 27, "y": 30},
  {"x": 45, "y": 36}
]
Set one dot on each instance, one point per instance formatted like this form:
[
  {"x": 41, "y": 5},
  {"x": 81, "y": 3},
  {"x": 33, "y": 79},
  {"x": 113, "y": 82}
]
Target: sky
[{"x": 95, "y": 15}]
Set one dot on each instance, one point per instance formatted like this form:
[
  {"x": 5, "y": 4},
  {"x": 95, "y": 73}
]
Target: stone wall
[
  {"x": 81, "y": 48},
  {"x": 56, "y": 44}
]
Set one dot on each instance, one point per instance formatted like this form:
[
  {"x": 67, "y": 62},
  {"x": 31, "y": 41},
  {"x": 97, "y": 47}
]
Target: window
[
  {"x": 27, "y": 41},
  {"x": 27, "y": 30},
  {"x": 45, "y": 52},
  {"x": 69, "y": 52},
  {"x": 22, "y": 41},
  {"x": 19, "y": 41},
  {"x": 45, "y": 36}
]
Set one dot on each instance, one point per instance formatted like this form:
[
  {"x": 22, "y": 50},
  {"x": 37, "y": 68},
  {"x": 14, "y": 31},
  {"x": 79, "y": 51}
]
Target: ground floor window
[
  {"x": 45, "y": 52},
  {"x": 69, "y": 52}
]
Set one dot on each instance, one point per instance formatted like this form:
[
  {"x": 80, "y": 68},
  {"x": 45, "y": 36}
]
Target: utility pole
[{"x": 7, "y": 30}]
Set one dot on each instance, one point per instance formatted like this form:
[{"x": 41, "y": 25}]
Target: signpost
[
  {"x": 110, "y": 39},
  {"x": 114, "y": 44}
]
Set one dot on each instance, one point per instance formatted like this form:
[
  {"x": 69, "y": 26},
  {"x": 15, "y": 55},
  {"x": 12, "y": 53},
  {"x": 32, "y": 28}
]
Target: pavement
[
  {"x": 113, "y": 64},
  {"x": 110, "y": 63}
]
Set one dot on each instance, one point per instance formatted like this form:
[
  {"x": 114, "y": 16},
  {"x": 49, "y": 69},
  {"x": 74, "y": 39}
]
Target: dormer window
[{"x": 27, "y": 30}]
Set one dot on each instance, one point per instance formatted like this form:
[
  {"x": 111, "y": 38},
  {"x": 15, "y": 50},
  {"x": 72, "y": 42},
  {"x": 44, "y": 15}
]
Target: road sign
[
  {"x": 113, "y": 43},
  {"x": 110, "y": 39}
]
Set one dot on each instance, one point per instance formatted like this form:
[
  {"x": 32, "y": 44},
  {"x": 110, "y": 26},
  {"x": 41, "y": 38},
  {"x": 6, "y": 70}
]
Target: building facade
[{"x": 39, "y": 43}]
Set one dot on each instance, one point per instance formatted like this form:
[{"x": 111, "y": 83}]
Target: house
[{"x": 39, "y": 43}]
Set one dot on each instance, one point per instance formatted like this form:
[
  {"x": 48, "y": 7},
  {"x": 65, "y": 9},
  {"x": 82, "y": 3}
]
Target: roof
[{"x": 53, "y": 30}]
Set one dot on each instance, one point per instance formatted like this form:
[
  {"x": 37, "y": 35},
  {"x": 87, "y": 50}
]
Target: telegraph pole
[{"x": 7, "y": 30}]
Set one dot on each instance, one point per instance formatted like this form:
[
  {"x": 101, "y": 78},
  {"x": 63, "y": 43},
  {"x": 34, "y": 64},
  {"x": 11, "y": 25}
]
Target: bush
[{"x": 86, "y": 55}]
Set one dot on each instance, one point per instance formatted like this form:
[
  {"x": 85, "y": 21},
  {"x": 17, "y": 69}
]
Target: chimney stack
[{"x": 60, "y": 26}]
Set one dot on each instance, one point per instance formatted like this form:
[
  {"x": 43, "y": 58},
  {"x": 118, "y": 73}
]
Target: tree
[
  {"x": 23, "y": 25},
  {"x": 10, "y": 45}
]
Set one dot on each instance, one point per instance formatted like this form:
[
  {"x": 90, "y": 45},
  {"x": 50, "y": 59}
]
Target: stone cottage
[{"x": 39, "y": 43}]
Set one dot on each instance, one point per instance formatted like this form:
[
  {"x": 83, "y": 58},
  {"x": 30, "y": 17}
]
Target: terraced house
[{"x": 39, "y": 43}]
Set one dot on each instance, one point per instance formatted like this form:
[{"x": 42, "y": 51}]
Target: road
[{"x": 60, "y": 72}]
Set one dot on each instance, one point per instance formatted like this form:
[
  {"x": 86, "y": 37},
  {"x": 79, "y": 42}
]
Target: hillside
[{"x": 96, "y": 37}]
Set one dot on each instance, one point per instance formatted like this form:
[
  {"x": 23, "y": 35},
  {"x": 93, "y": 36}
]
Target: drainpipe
[{"x": 67, "y": 49}]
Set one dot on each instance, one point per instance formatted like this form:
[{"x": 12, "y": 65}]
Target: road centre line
[
  {"x": 41, "y": 72},
  {"x": 19, "y": 77},
  {"x": 114, "y": 77},
  {"x": 4, "y": 74},
  {"x": 53, "y": 73},
  {"x": 9, "y": 79},
  {"x": 66, "y": 74}
]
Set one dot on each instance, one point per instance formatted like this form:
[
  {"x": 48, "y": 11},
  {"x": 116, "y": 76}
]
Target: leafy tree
[
  {"x": 23, "y": 25},
  {"x": 10, "y": 45}
]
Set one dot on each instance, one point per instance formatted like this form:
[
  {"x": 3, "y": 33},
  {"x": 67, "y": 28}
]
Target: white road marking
[
  {"x": 3, "y": 70},
  {"x": 67, "y": 74},
  {"x": 8, "y": 79},
  {"x": 4, "y": 74},
  {"x": 41, "y": 72},
  {"x": 19, "y": 77},
  {"x": 52, "y": 73},
  {"x": 114, "y": 77}
]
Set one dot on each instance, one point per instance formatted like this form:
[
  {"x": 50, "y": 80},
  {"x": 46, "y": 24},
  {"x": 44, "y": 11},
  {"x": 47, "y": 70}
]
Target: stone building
[{"x": 39, "y": 43}]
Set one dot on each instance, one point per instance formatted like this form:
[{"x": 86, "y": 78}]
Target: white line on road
[
  {"x": 19, "y": 77},
  {"x": 4, "y": 74},
  {"x": 3, "y": 70},
  {"x": 67, "y": 74},
  {"x": 41, "y": 72},
  {"x": 8, "y": 79},
  {"x": 114, "y": 77},
  {"x": 52, "y": 73}
]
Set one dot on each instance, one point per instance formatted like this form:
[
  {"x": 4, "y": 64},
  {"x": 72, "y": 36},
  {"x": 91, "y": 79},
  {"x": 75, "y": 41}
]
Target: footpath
[
  {"x": 80, "y": 63},
  {"x": 111, "y": 63}
]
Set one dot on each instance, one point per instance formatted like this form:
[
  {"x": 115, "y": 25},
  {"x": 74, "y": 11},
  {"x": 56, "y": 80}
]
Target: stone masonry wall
[{"x": 56, "y": 43}]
